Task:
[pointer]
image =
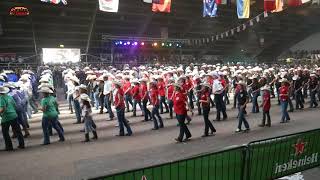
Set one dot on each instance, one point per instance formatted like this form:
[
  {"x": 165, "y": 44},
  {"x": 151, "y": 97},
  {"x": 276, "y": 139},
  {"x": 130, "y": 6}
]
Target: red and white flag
[
  {"x": 109, "y": 5},
  {"x": 269, "y": 5},
  {"x": 165, "y": 7}
]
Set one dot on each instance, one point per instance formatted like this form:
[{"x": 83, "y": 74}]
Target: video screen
[{"x": 60, "y": 55}]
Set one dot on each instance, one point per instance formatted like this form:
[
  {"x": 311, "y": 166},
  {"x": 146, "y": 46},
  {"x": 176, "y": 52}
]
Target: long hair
[{"x": 86, "y": 103}]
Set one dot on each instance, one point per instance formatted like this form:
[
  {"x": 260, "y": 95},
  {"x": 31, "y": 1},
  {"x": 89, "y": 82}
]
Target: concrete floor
[{"x": 73, "y": 159}]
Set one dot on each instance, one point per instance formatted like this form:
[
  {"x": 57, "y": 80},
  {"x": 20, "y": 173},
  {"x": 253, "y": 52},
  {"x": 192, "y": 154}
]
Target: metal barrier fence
[
  {"x": 223, "y": 165},
  {"x": 259, "y": 160},
  {"x": 284, "y": 155}
]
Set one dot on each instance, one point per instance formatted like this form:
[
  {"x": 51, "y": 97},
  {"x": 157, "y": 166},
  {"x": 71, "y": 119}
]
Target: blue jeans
[
  {"x": 163, "y": 101},
  {"x": 220, "y": 106},
  {"x": 285, "y": 115},
  {"x": 255, "y": 106},
  {"x": 107, "y": 103},
  {"x": 96, "y": 100},
  {"x": 299, "y": 99},
  {"x": 128, "y": 99},
  {"x": 122, "y": 122},
  {"x": 183, "y": 127},
  {"x": 313, "y": 100},
  {"x": 242, "y": 119},
  {"x": 154, "y": 113},
  {"x": 70, "y": 102},
  {"x": 45, "y": 126},
  {"x": 77, "y": 110},
  {"x": 147, "y": 113},
  {"x": 134, "y": 107}
]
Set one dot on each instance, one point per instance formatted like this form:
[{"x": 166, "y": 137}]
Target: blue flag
[{"x": 210, "y": 8}]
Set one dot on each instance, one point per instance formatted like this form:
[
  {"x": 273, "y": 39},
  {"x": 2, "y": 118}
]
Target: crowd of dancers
[{"x": 180, "y": 91}]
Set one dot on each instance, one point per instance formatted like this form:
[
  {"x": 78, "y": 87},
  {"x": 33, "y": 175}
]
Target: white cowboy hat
[
  {"x": 206, "y": 85},
  {"x": 4, "y": 90},
  {"x": 266, "y": 87},
  {"x": 284, "y": 80},
  {"x": 119, "y": 83},
  {"x": 74, "y": 79},
  {"x": 242, "y": 83},
  {"x": 45, "y": 90},
  {"x": 82, "y": 86},
  {"x": 85, "y": 97},
  {"x": 42, "y": 85},
  {"x": 177, "y": 85}
]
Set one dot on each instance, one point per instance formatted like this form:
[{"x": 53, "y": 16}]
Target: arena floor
[{"x": 73, "y": 159}]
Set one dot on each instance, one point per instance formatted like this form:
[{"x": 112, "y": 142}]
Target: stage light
[
  {"x": 142, "y": 44},
  {"x": 170, "y": 44},
  {"x": 61, "y": 45},
  {"x": 162, "y": 44},
  {"x": 155, "y": 44},
  {"x": 177, "y": 45},
  {"x": 135, "y": 43},
  {"x": 120, "y": 42},
  {"x": 128, "y": 42},
  {"x": 125, "y": 44}
]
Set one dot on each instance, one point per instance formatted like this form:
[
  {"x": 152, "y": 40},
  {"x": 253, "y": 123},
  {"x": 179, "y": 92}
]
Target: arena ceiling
[{"x": 50, "y": 25}]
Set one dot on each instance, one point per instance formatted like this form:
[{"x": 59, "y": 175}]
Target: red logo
[
  {"x": 299, "y": 147},
  {"x": 19, "y": 11},
  {"x": 144, "y": 177}
]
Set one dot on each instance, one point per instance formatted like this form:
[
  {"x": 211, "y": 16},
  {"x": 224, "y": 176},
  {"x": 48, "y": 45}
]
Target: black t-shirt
[
  {"x": 298, "y": 83},
  {"x": 242, "y": 97},
  {"x": 313, "y": 84}
]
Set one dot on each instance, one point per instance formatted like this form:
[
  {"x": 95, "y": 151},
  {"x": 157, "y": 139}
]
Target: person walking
[
  {"x": 162, "y": 94},
  {"x": 205, "y": 104},
  {"x": 49, "y": 107},
  {"x": 243, "y": 99},
  {"x": 154, "y": 94},
  {"x": 217, "y": 90},
  {"x": 170, "y": 93},
  {"x": 145, "y": 98},
  {"x": 107, "y": 92},
  {"x": 9, "y": 118},
  {"x": 313, "y": 87},
  {"x": 266, "y": 105},
  {"x": 180, "y": 108},
  {"x": 86, "y": 110},
  {"x": 136, "y": 96},
  {"x": 120, "y": 108},
  {"x": 284, "y": 98}
]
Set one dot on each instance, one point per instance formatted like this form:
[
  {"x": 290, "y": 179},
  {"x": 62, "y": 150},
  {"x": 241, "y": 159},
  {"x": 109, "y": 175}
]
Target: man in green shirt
[
  {"x": 49, "y": 107},
  {"x": 9, "y": 118}
]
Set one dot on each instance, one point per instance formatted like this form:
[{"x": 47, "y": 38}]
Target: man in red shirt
[
  {"x": 120, "y": 107},
  {"x": 136, "y": 95},
  {"x": 145, "y": 98},
  {"x": 205, "y": 104},
  {"x": 266, "y": 106},
  {"x": 284, "y": 99},
  {"x": 127, "y": 92},
  {"x": 179, "y": 105},
  {"x": 170, "y": 93},
  {"x": 189, "y": 84},
  {"x": 154, "y": 93},
  {"x": 162, "y": 94}
]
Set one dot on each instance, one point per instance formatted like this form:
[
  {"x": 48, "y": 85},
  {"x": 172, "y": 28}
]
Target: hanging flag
[
  {"x": 269, "y": 5},
  {"x": 165, "y": 7},
  {"x": 294, "y": 3},
  {"x": 244, "y": 27},
  {"x": 147, "y": 1},
  {"x": 265, "y": 14},
  {"x": 221, "y": 35},
  {"x": 232, "y": 31},
  {"x": 217, "y": 37},
  {"x": 258, "y": 18},
  {"x": 55, "y": 1},
  {"x": 279, "y": 6},
  {"x": 109, "y": 5},
  {"x": 251, "y": 22},
  {"x": 227, "y": 34},
  {"x": 209, "y": 8},
  {"x": 208, "y": 40},
  {"x": 243, "y": 9},
  {"x": 238, "y": 29},
  {"x": 212, "y": 38},
  {"x": 305, "y": 1},
  {"x": 158, "y": 1}
]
